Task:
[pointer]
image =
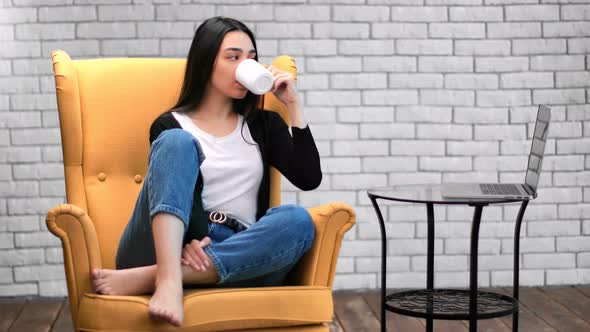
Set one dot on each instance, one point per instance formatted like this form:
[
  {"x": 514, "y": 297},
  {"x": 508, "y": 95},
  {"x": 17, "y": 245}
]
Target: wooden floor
[{"x": 563, "y": 309}]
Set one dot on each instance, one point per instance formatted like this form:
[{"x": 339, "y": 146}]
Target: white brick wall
[{"x": 396, "y": 92}]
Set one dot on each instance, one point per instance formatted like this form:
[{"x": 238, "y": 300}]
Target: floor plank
[
  {"x": 63, "y": 323},
  {"x": 393, "y": 321},
  {"x": 10, "y": 308},
  {"x": 570, "y": 298},
  {"x": 37, "y": 315},
  {"x": 527, "y": 320},
  {"x": 354, "y": 313},
  {"x": 551, "y": 311}
]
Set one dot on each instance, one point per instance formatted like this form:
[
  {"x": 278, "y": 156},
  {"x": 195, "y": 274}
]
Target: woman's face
[{"x": 235, "y": 48}]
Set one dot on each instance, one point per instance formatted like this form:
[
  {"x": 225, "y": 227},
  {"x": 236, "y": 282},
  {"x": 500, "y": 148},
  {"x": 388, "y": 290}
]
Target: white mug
[{"x": 254, "y": 77}]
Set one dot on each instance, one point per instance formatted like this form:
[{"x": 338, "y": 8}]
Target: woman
[{"x": 211, "y": 152}]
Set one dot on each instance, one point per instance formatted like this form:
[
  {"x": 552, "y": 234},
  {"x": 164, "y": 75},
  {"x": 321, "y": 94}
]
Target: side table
[{"x": 449, "y": 304}]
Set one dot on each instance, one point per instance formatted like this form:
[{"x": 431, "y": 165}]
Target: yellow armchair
[{"x": 106, "y": 107}]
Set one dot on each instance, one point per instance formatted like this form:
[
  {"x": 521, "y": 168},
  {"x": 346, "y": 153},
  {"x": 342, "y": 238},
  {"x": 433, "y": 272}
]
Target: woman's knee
[
  {"x": 178, "y": 140},
  {"x": 299, "y": 221}
]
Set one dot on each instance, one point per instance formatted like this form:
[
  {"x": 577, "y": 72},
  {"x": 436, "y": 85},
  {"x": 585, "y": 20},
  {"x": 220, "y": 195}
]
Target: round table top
[{"x": 429, "y": 193}]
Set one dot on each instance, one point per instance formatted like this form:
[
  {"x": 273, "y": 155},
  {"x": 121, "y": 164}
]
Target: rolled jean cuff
[
  {"x": 218, "y": 265},
  {"x": 170, "y": 209}
]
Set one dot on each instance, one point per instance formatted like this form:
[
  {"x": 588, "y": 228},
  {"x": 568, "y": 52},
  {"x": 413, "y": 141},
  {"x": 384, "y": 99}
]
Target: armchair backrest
[{"x": 106, "y": 107}]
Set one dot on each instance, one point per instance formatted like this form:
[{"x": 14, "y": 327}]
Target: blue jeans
[{"x": 261, "y": 255}]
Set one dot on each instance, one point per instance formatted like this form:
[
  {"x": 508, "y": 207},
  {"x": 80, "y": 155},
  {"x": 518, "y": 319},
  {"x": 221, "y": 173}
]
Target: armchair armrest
[
  {"x": 318, "y": 266},
  {"x": 80, "y": 248}
]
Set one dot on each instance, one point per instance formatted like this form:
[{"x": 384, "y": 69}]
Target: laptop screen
[{"x": 538, "y": 147}]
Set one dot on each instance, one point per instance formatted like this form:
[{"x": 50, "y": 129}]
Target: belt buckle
[{"x": 218, "y": 217}]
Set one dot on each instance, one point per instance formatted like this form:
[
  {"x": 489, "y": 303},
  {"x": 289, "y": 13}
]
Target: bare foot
[
  {"x": 166, "y": 303},
  {"x": 134, "y": 281}
]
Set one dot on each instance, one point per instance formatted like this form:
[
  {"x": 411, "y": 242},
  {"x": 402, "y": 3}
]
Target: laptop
[{"x": 528, "y": 189}]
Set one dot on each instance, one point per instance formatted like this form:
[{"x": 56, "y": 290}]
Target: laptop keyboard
[{"x": 499, "y": 189}]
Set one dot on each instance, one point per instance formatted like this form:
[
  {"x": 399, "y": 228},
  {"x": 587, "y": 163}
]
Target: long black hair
[{"x": 200, "y": 62}]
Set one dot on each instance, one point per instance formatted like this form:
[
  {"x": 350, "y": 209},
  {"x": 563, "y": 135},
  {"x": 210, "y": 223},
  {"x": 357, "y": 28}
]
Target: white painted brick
[
  {"x": 459, "y": 279},
  {"x": 73, "y": 48},
  {"x": 472, "y": 148},
  {"x": 471, "y": 81},
  {"x": 19, "y": 85},
  {"x": 402, "y": 212},
  {"x": 53, "y": 288},
  {"x": 54, "y": 255},
  {"x": 409, "y": 280},
  {"x": 566, "y": 29},
  {"x": 6, "y": 33},
  {"x": 414, "y": 178},
  {"x": 514, "y": 30},
  {"x": 243, "y": 13},
  {"x": 5, "y": 70},
  {"x": 333, "y": 98},
  {"x": 412, "y": 246},
  {"x": 6, "y": 241},
  {"x": 19, "y": 188},
  {"x": 444, "y": 131},
  {"x": 365, "y": 114},
  {"x": 445, "y": 64},
  {"x": 415, "y": 80},
  {"x": 20, "y": 154},
  {"x": 126, "y": 13},
  {"x": 18, "y": 290},
  {"x": 175, "y": 47},
  {"x": 445, "y": 163},
  {"x": 532, "y": 13},
  {"x": 453, "y": 2},
  {"x": 360, "y": 148},
  {"x": 39, "y": 272},
  {"x": 553, "y": 228},
  {"x": 457, "y": 30},
  {"x": 530, "y": 245},
  {"x": 357, "y": 181},
  {"x": 482, "y": 47},
  {"x": 36, "y": 136},
  {"x": 106, "y": 30},
  {"x": 358, "y": 81},
  {"x": 302, "y": 13},
  {"x": 502, "y": 132},
  {"x": 73, "y": 13},
  {"x": 341, "y": 30},
  {"x": 547, "y": 261},
  {"x": 572, "y": 79},
  {"x": 573, "y": 244},
  {"x": 334, "y": 64},
  {"x": 18, "y": 15},
  {"x": 52, "y": 154},
  {"x": 584, "y": 259},
  {"x": 499, "y": 163},
  {"x": 312, "y": 82},
  {"x": 317, "y": 198},
  {"x": 568, "y": 277},
  {"x": 283, "y": 30},
  {"x": 494, "y": 263},
  {"x": 345, "y": 265},
  {"x": 559, "y": 96},
  {"x": 418, "y": 14},
  {"x": 424, "y": 46},
  {"x": 5, "y": 172},
  {"x": 476, "y": 14},
  {"x": 397, "y": 230},
  {"x": 571, "y": 179},
  {"x": 573, "y": 163},
  {"x": 389, "y": 164},
  {"x": 45, "y": 31},
  {"x": 360, "y": 248},
  {"x": 390, "y": 97},
  {"x": 442, "y": 263},
  {"x": 6, "y": 276},
  {"x": 526, "y": 278},
  {"x": 21, "y": 257},
  {"x": 366, "y": 47},
  {"x": 446, "y": 230},
  {"x": 526, "y": 80},
  {"x": 501, "y": 64},
  {"x": 52, "y": 188},
  {"x": 539, "y": 46},
  {"x": 20, "y": 206},
  {"x": 575, "y": 12},
  {"x": 481, "y": 115},
  {"x": 503, "y": 98},
  {"x": 389, "y": 64},
  {"x": 562, "y": 129},
  {"x": 470, "y": 177},
  {"x": 511, "y": 147},
  {"x": 341, "y": 165},
  {"x": 20, "y": 49},
  {"x": 32, "y": 67},
  {"x": 430, "y": 114},
  {"x": 390, "y": 130},
  {"x": 165, "y": 29},
  {"x": 38, "y": 171},
  {"x": 394, "y": 264},
  {"x": 557, "y": 62},
  {"x": 355, "y": 281},
  {"x": 462, "y": 246},
  {"x": 578, "y": 45},
  {"x": 360, "y": 13},
  {"x": 417, "y": 147},
  {"x": 399, "y": 30}
]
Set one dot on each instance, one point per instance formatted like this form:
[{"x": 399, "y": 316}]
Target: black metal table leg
[
  {"x": 473, "y": 268},
  {"x": 383, "y": 262},
  {"x": 515, "y": 281},
  {"x": 430, "y": 262}
]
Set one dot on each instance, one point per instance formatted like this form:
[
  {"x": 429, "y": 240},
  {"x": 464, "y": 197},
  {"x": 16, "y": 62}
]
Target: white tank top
[{"x": 232, "y": 170}]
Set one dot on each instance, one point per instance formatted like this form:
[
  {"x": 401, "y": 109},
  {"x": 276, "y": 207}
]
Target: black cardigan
[{"x": 296, "y": 157}]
